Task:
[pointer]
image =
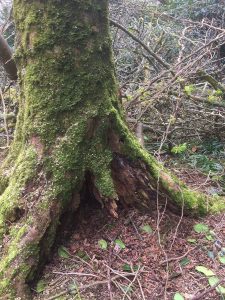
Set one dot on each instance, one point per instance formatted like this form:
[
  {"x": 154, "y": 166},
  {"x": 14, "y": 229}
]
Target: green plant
[
  {"x": 201, "y": 228},
  {"x": 218, "y": 93},
  {"x": 103, "y": 244},
  {"x": 189, "y": 89},
  {"x": 147, "y": 228},
  {"x": 212, "y": 278},
  {"x": 129, "y": 268},
  {"x": 63, "y": 252},
  {"x": 204, "y": 163},
  {"x": 179, "y": 149},
  {"x": 178, "y": 296},
  {"x": 41, "y": 285},
  {"x": 120, "y": 244},
  {"x": 74, "y": 290},
  {"x": 212, "y": 146},
  {"x": 212, "y": 98}
]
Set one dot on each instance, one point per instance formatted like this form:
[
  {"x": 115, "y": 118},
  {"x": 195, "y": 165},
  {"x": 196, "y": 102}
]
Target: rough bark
[{"x": 71, "y": 139}]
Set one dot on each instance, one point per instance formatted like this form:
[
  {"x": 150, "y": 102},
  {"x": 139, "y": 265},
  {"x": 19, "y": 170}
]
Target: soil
[{"x": 152, "y": 262}]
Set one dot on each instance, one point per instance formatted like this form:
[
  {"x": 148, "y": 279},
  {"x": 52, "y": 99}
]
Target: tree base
[{"x": 28, "y": 245}]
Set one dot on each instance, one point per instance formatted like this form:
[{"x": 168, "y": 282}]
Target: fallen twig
[
  {"x": 84, "y": 287},
  {"x": 177, "y": 258},
  {"x": 75, "y": 273}
]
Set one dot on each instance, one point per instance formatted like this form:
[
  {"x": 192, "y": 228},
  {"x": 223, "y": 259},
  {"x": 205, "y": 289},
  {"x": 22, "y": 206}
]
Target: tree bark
[{"x": 71, "y": 140}]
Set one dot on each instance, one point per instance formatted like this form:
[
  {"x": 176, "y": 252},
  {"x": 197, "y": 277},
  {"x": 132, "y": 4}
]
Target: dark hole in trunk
[{"x": 69, "y": 221}]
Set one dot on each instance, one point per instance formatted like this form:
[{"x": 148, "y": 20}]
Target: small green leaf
[
  {"x": 201, "y": 228},
  {"x": 220, "y": 289},
  {"x": 209, "y": 237},
  {"x": 222, "y": 259},
  {"x": 218, "y": 93},
  {"x": 192, "y": 241},
  {"x": 120, "y": 244},
  {"x": 147, "y": 228},
  {"x": 63, "y": 252},
  {"x": 207, "y": 272},
  {"x": 127, "y": 268},
  {"x": 72, "y": 288},
  {"x": 211, "y": 98},
  {"x": 189, "y": 89},
  {"x": 178, "y": 296},
  {"x": 83, "y": 255},
  {"x": 127, "y": 289},
  {"x": 185, "y": 261},
  {"x": 80, "y": 253},
  {"x": 40, "y": 286},
  {"x": 102, "y": 244},
  {"x": 214, "y": 280}
]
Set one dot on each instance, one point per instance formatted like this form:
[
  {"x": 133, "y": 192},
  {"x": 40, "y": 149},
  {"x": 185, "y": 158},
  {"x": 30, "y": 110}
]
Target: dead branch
[{"x": 6, "y": 59}]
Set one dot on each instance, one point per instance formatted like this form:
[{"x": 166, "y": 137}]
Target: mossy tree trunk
[{"x": 70, "y": 136}]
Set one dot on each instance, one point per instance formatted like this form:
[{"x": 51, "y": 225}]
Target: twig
[
  {"x": 118, "y": 285},
  {"x": 141, "y": 289},
  {"x": 6, "y": 59},
  {"x": 159, "y": 237},
  {"x": 75, "y": 273},
  {"x": 121, "y": 274},
  {"x": 179, "y": 223},
  {"x": 84, "y": 287},
  {"x": 131, "y": 283},
  {"x": 177, "y": 258},
  {"x": 109, "y": 274},
  {"x": 135, "y": 227},
  {"x": 139, "y": 133},
  {"x": 158, "y": 58},
  {"x": 83, "y": 261}
]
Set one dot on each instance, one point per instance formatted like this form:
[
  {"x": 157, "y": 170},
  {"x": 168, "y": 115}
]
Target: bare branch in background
[{"x": 7, "y": 60}]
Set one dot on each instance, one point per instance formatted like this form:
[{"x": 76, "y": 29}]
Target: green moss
[
  {"x": 66, "y": 77},
  {"x": 170, "y": 185},
  {"x": 68, "y": 93},
  {"x": 13, "y": 249},
  {"x": 3, "y": 183},
  {"x": 216, "y": 204},
  {"x": 65, "y": 87},
  {"x": 68, "y": 106},
  {"x": 23, "y": 171}
]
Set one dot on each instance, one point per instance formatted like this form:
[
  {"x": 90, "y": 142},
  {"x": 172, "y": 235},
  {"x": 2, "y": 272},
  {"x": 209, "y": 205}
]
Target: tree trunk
[{"x": 70, "y": 137}]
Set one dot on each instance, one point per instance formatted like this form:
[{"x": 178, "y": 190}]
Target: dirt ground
[{"x": 155, "y": 258}]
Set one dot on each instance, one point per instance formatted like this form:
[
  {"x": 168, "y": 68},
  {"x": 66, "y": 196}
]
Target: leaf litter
[{"x": 108, "y": 258}]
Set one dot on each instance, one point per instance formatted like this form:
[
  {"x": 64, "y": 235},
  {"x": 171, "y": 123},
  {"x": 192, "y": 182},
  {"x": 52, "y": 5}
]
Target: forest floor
[
  {"x": 146, "y": 256},
  {"x": 152, "y": 256}
]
